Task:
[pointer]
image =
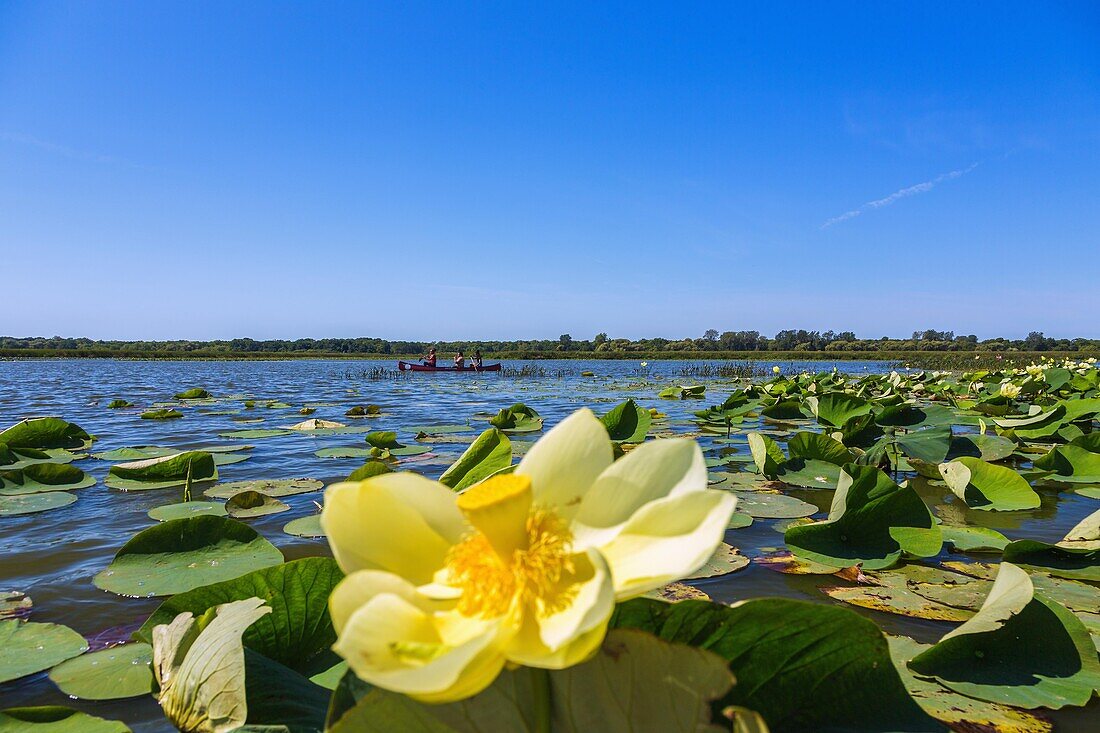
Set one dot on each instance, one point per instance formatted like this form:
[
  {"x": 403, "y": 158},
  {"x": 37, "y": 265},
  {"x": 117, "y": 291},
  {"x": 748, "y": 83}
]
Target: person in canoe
[
  {"x": 460, "y": 360},
  {"x": 477, "y": 359},
  {"x": 429, "y": 360}
]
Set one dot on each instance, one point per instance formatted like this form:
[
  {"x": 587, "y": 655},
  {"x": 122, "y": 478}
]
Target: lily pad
[
  {"x": 491, "y": 452},
  {"x": 33, "y": 503},
  {"x": 108, "y": 674},
  {"x": 872, "y": 521},
  {"x": 627, "y": 423},
  {"x": 305, "y": 526},
  {"x": 187, "y": 509},
  {"x": 835, "y": 409},
  {"x": 182, "y": 554},
  {"x": 1020, "y": 649},
  {"x": 247, "y": 504},
  {"x": 1071, "y": 464},
  {"x": 14, "y": 604},
  {"x": 1065, "y": 562},
  {"x": 725, "y": 560},
  {"x": 163, "y": 472},
  {"x": 165, "y": 413},
  {"x": 987, "y": 486},
  {"x": 676, "y": 592},
  {"x": 772, "y": 505},
  {"x": 270, "y": 487},
  {"x": 896, "y": 599},
  {"x": 42, "y": 477},
  {"x": 56, "y": 719},
  {"x": 195, "y": 393},
  {"x": 46, "y": 432},
  {"x": 368, "y": 470},
  {"x": 27, "y": 647},
  {"x": 974, "y": 539},
  {"x": 958, "y": 711}
]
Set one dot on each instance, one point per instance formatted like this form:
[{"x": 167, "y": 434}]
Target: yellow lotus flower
[
  {"x": 444, "y": 589},
  {"x": 776, "y": 369},
  {"x": 1010, "y": 390}
]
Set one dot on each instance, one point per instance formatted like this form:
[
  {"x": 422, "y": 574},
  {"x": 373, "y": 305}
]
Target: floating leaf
[
  {"x": 56, "y": 719},
  {"x": 42, "y": 477},
  {"x": 45, "y": 432},
  {"x": 249, "y": 503},
  {"x": 161, "y": 473},
  {"x": 108, "y": 674},
  {"x": 896, "y": 599},
  {"x": 723, "y": 561},
  {"x": 305, "y": 526},
  {"x": 182, "y": 554},
  {"x": 772, "y": 505},
  {"x": 368, "y": 470},
  {"x": 297, "y": 633},
  {"x": 27, "y": 647},
  {"x": 958, "y": 711},
  {"x": 161, "y": 414},
  {"x": 1065, "y": 562},
  {"x": 872, "y": 521},
  {"x": 491, "y": 452},
  {"x": 835, "y": 409},
  {"x": 820, "y": 447},
  {"x": 254, "y": 433},
  {"x": 187, "y": 509},
  {"x": 850, "y": 684},
  {"x": 987, "y": 486},
  {"x": 195, "y": 393},
  {"x": 627, "y": 423},
  {"x": 676, "y": 592},
  {"x": 270, "y": 487},
  {"x": 974, "y": 539},
  {"x": 1020, "y": 649},
  {"x": 33, "y": 503},
  {"x": 14, "y": 604}
]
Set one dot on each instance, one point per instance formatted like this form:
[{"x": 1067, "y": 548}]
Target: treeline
[{"x": 792, "y": 340}]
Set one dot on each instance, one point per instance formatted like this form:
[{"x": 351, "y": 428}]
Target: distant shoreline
[{"x": 916, "y": 359}]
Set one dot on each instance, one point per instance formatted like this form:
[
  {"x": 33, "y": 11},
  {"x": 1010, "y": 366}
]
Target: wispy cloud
[
  {"x": 900, "y": 194},
  {"x": 67, "y": 152}
]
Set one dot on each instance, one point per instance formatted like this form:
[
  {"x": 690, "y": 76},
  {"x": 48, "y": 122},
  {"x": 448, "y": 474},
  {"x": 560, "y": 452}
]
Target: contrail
[{"x": 896, "y": 195}]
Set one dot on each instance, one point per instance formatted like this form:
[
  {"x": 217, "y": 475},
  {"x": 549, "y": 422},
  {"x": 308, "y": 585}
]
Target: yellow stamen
[
  {"x": 498, "y": 508},
  {"x": 535, "y": 577}
]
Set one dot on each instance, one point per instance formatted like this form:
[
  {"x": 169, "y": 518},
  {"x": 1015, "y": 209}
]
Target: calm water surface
[{"x": 53, "y": 555}]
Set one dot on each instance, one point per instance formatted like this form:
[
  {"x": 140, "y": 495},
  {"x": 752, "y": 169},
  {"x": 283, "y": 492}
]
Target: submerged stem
[{"x": 541, "y": 680}]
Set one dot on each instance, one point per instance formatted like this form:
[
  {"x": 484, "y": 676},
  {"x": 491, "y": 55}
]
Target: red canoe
[{"x": 412, "y": 367}]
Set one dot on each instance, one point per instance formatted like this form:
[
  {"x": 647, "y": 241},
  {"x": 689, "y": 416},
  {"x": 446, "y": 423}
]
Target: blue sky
[{"x": 507, "y": 170}]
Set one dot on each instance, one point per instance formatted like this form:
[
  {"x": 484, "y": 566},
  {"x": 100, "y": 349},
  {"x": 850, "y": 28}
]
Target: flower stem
[{"x": 541, "y": 682}]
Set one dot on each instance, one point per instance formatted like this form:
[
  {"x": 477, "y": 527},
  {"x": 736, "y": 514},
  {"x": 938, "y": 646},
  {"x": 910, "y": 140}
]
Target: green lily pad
[
  {"x": 27, "y": 647},
  {"x": 247, "y": 504},
  {"x": 163, "y": 472},
  {"x": 897, "y": 599},
  {"x": 872, "y": 521},
  {"x": 12, "y": 459},
  {"x": 305, "y": 526},
  {"x": 119, "y": 404},
  {"x": 56, "y": 719},
  {"x": 14, "y": 604},
  {"x": 368, "y": 470},
  {"x": 182, "y": 554},
  {"x": 772, "y": 505},
  {"x": 44, "y": 433},
  {"x": 958, "y": 711},
  {"x": 271, "y": 487},
  {"x": 739, "y": 521},
  {"x": 974, "y": 539},
  {"x": 491, "y": 452},
  {"x": 33, "y": 503},
  {"x": 187, "y": 509},
  {"x": 161, "y": 414},
  {"x": 1065, "y": 562},
  {"x": 627, "y": 423},
  {"x": 438, "y": 429},
  {"x": 835, "y": 409},
  {"x": 195, "y": 393},
  {"x": 42, "y": 477},
  {"x": 297, "y": 633},
  {"x": 725, "y": 560},
  {"x": 1071, "y": 464},
  {"x": 818, "y": 447},
  {"x": 987, "y": 486},
  {"x": 108, "y": 674},
  {"x": 1020, "y": 649}
]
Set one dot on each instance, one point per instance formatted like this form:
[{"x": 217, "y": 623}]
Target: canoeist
[
  {"x": 460, "y": 360},
  {"x": 477, "y": 359},
  {"x": 430, "y": 359}
]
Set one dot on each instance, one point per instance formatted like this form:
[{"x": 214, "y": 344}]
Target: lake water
[{"x": 53, "y": 555}]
